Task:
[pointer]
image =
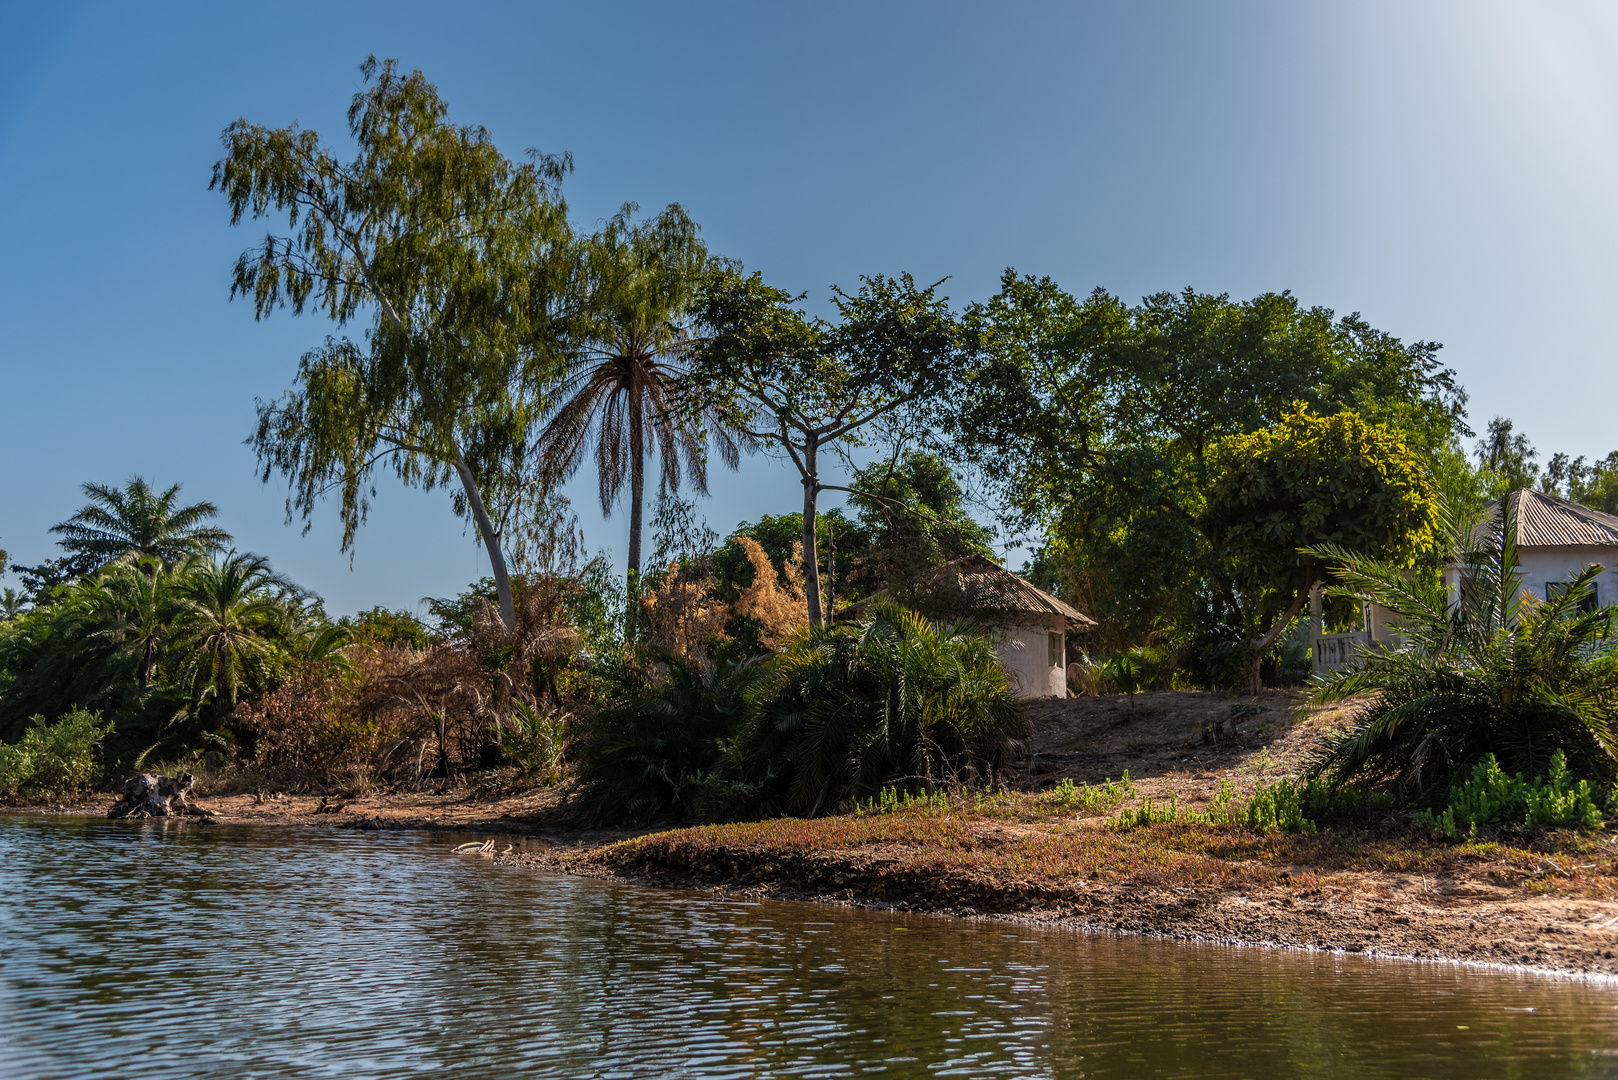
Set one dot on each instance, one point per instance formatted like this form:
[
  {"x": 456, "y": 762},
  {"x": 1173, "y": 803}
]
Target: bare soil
[{"x": 1548, "y": 903}]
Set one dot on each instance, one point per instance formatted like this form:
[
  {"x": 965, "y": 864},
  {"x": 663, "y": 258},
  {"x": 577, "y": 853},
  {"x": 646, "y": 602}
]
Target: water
[{"x": 239, "y": 952}]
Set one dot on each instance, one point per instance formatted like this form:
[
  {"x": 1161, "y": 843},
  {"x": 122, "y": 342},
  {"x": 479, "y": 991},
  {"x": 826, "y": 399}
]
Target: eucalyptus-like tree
[
  {"x": 800, "y": 385},
  {"x": 626, "y": 377},
  {"x": 138, "y": 520},
  {"x": 458, "y": 261}
]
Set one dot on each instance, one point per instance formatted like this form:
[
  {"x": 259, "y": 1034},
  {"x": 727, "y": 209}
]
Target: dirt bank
[{"x": 1030, "y": 854}]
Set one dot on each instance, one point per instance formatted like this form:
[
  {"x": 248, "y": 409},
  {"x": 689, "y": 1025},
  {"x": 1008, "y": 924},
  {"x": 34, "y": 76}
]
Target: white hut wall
[{"x": 1025, "y": 651}]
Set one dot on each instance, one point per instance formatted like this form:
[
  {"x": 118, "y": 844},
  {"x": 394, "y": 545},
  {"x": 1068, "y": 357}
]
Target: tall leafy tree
[
  {"x": 1096, "y": 420},
  {"x": 804, "y": 386},
  {"x": 459, "y": 264},
  {"x": 1305, "y": 482},
  {"x": 138, "y": 520},
  {"x": 623, "y": 383}
]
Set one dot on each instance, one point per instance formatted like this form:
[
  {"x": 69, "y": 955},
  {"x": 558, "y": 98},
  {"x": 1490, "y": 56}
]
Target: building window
[
  {"x": 1055, "y": 640},
  {"x": 1587, "y": 602}
]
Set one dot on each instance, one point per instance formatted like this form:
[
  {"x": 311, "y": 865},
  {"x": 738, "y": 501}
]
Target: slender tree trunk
[
  {"x": 1262, "y": 645},
  {"x": 491, "y": 541},
  {"x": 637, "y": 491},
  {"x": 811, "y": 565}
]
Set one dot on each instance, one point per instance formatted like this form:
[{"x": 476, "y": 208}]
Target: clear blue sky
[{"x": 1448, "y": 170}]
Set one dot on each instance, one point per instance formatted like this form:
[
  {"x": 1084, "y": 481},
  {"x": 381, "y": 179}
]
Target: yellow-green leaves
[{"x": 1309, "y": 480}]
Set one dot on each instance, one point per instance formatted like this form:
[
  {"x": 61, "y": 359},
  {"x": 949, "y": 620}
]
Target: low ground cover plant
[
  {"x": 1489, "y": 800},
  {"x": 1086, "y": 799}
]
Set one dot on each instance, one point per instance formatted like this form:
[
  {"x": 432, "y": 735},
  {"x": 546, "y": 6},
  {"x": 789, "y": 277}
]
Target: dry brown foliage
[
  {"x": 684, "y": 616},
  {"x": 313, "y": 730},
  {"x": 779, "y": 612},
  {"x": 407, "y": 715}
]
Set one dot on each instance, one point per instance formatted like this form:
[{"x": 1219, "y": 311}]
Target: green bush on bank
[
  {"x": 54, "y": 761},
  {"x": 1491, "y": 799}
]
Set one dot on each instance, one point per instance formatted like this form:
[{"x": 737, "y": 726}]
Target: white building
[
  {"x": 1032, "y": 624},
  {"x": 1556, "y": 541}
]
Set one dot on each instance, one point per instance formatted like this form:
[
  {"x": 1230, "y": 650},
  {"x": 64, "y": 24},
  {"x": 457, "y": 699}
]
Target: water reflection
[{"x": 236, "y": 952}]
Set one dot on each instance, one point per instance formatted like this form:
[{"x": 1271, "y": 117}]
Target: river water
[{"x": 241, "y": 952}]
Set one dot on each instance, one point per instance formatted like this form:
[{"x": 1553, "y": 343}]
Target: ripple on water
[{"x": 240, "y": 952}]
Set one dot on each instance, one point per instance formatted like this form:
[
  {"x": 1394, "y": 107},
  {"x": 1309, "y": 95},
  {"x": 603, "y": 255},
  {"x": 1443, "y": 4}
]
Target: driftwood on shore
[{"x": 147, "y": 796}]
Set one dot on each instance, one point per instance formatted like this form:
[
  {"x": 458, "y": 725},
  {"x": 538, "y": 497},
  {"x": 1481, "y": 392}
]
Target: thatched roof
[
  {"x": 1548, "y": 521},
  {"x": 976, "y": 586}
]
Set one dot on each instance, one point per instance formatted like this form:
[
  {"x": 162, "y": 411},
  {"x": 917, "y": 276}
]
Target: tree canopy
[
  {"x": 461, "y": 265},
  {"x": 801, "y": 386},
  {"x": 1095, "y": 421},
  {"x": 137, "y": 520},
  {"x": 1307, "y": 481}
]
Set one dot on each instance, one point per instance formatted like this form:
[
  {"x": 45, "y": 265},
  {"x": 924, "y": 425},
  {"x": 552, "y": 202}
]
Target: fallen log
[{"x": 147, "y": 796}]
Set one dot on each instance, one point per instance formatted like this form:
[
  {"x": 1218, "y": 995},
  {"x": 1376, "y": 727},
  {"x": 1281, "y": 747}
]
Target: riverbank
[{"x": 1048, "y": 853}]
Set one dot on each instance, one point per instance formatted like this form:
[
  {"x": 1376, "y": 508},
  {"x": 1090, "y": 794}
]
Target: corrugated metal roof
[
  {"x": 1548, "y": 521},
  {"x": 988, "y": 588}
]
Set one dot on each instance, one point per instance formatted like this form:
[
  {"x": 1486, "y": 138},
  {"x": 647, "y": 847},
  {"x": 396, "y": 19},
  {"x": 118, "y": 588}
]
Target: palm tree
[
  {"x": 133, "y": 604},
  {"x": 136, "y": 519},
  {"x": 233, "y": 611},
  {"x": 11, "y": 602},
  {"x": 621, "y": 391},
  {"x": 1488, "y": 672}
]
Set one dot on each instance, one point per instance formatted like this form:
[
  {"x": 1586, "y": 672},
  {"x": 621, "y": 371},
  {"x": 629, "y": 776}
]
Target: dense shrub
[
  {"x": 652, "y": 749},
  {"x": 894, "y": 701},
  {"x": 534, "y": 741},
  {"x": 54, "y": 761}
]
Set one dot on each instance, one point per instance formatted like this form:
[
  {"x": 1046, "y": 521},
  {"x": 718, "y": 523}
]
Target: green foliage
[
  {"x": 392, "y": 629},
  {"x": 1305, "y": 481},
  {"x": 54, "y": 761},
  {"x": 1310, "y": 480},
  {"x": 163, "y": 652},
  {"x": 1098, "y": 421},
  {"x": 624, "y": 380},
  {"x": 535, "y": 740},
  {"x": 1489, "y": 799},
  {"x": 461, "y": 261},
  {"x": 892, "y": 800},
  {"x": 1490, "y": 672},
  {"x": 136, "y": 520},
  {"x": 895, "y": 701},
  {"x": 651, "y": 749},
  {"x": 800, "y": 386},
  {"x": 1280, "y": 807},
  {"x": 909, "y": 518},
  {"x": 1086, "y": 799}
]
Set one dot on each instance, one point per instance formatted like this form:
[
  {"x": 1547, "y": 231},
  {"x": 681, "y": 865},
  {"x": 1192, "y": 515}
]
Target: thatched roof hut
[{"x": 1032, "y": 623}]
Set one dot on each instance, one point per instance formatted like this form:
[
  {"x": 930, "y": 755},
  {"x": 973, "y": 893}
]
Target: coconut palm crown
[
  {"x": 138, "y": 520},
  {"x": 622, "y": 390}
]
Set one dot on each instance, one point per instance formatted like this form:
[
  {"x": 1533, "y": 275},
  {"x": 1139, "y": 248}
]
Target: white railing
[{"x": 1333, "y": 652}]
